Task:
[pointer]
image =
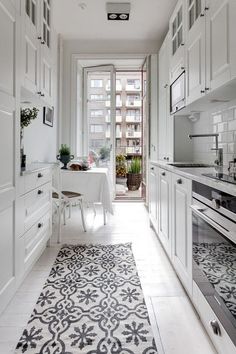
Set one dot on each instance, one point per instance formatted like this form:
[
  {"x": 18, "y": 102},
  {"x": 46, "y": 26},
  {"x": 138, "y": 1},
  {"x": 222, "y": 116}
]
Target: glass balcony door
[{"x": 100, "y": 117}]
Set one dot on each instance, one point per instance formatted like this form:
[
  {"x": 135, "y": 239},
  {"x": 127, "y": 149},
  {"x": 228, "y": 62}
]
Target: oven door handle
[{"x": 199, "y": 211}]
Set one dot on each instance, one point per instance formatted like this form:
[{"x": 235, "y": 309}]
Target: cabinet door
[
  {"x": 30, "y": 45},
  {"x": 164, "y": 209},
  {"x": 220, "y": 44},
  {"x": 8, "y": 38},
  {"x": 182, "y": 229},
  {"x": 153, "y": 207},
  {"x": 195, "y": 50},
  {"x": 46, "y": 51},
  {"x": 177, "y": 34}
]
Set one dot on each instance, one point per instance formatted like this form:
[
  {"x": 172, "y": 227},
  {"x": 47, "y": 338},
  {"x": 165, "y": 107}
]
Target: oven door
[
  {"x": 177, "y": 94},
  {"x": 214, "y": 263}
]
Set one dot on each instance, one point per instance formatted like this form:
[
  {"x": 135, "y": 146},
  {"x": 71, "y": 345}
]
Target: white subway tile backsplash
[
  {"x": 222, "y": 127},
  {"x": 232, "y": 125},
  {"x": 223, "y": 122}
]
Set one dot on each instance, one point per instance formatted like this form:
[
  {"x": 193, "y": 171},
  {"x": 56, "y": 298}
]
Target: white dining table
[{"x": 95, "y": 185}]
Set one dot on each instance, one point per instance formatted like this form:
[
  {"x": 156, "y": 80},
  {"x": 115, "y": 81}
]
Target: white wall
[
  {"x": 220, "y": 120},
  {"x": 40, "y": 140}
]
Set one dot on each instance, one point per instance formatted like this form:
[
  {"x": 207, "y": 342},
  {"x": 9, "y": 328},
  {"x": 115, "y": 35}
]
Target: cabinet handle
[
  {"x": 182, "y": 44},
  {"x": 215, "y": 327},
  {"x": 39, "y": 92},
  {"x": 206, "y": 8},
  {"x": 39, "y": 37},
  {"x": 207, "y": 88},
  {"x": 179, "y": 181},
  {"x": 40, "y": 192},
  {"x": 202, "y": 15},
  {"x": 42, "y": 95},
  {"x": 40, "y": 175},
  {"x": 40, "y": 225},
  {"x": 163, "y": 173},
  {"x": 202, "y": 91}
]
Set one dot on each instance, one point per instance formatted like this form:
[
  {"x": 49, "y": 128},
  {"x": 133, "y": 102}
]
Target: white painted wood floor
[{"x": 169, "y": 308}]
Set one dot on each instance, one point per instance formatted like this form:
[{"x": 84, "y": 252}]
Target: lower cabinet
[
  {"x": 164, "y": 232},
  {"x": 170, "y": 214},
  {"x": 181, "y": 189}
]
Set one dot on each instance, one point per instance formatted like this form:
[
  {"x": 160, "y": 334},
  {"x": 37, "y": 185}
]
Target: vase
[{"x": 65, "y": 159}]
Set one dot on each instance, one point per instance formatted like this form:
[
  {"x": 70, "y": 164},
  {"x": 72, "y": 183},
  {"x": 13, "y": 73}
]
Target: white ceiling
[{"x": 148, "y": 20}]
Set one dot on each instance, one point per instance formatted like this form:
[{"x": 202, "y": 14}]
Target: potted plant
[
  {"x": 64, "y": 155},
  {"x": 134, "y": 176},
  {"x": 121, "y": 169}
]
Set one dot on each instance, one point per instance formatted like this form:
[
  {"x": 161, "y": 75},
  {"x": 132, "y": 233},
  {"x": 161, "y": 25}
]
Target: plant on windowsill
[
  {"x": 134, "y": 176},
  {"x": 64, "y": 155},
  {"x": 121, "y": 168}
]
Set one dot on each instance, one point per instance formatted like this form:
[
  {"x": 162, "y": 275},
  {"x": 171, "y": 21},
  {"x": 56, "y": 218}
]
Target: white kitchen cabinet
[
  {"x": 220, "y": 42},
  {"x": 165, "y": 127},
  {"x": 182, "y": 229},
  {"x": 153, "y": 190},
  {"x": 8, "y": 116},
  {"x": 195, "y": 50},
  {"x": 164, "y": 200},
  {"x": 37, "y": 53},
  {"x": 177, "y": 38}
]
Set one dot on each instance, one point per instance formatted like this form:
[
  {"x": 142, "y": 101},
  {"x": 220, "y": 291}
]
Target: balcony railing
[
  {"x": 133, "y": 134},
  {"x": 133, "y": 119},
  {"x": 135, "y": 103}
]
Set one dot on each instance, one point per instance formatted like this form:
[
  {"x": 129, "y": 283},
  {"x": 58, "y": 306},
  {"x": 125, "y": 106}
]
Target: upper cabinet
[
  {"x": 177, "y": 33},
  {"x": 36, "y": 49},
  {"x": 203, "y": 44},
  {"x": 195, "y": 49},
  {"x": 220, "y": 42}
]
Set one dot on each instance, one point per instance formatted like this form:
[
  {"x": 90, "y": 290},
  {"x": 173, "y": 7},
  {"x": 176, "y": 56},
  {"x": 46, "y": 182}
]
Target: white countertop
[{"x": 196, "y": 174}]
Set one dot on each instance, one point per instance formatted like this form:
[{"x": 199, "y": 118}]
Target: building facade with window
[{"x": 128, "y": 129}]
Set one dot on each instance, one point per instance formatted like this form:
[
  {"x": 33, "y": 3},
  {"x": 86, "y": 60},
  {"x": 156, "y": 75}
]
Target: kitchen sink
[{"x": 191, "y": 164}]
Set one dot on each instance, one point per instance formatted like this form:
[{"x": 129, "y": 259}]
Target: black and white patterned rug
[{"x": 91, "y": 303}]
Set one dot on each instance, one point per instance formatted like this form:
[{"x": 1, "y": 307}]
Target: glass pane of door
[{"x": 100, "y": 116}]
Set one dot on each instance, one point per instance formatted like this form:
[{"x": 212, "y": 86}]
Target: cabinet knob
[
  {"x": 39, "y": 92},
  {"x": 164, "y": 158},
  {"x": 182, "y": 68},
  {"x": 215, "y": 327},
  {"x": 182, "y": 44},
  {"x": 40, "y": 175},
  {"x": 163, "y": 173},
  {"x": 202, "y": 15},
  {"x": 167, "y": 158},
  {"x": 207, "y": 88},
  {"x": 179, "y": 181},
  {"x": 166, "y": 85},
  {"x": 202, "y": 91},
  {"x": 152, "y": 168},
  {"x": 39, "y": 37},
  {"x": 42, "y": 95},
  {"x": 40, "y": 192},
  {"x": 206, "y": 8},
  {"x": 42, "y": 42},
  {"x": 176, "y": 108},
  {"x": 40, "y": 225}
]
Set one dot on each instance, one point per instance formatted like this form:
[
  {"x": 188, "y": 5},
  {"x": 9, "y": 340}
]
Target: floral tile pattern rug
[{"x": 91, "y": 303}]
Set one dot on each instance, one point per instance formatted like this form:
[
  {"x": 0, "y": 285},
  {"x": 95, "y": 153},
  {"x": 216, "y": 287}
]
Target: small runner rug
[{"x": 91, "y": 303}]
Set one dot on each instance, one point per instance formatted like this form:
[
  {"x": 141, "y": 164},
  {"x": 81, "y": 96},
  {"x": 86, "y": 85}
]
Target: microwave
[{"x": 177, "y": 94}]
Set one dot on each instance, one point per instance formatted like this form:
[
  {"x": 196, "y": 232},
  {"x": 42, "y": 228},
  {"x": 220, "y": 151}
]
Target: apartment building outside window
[
  {"x": 96, "y": 83},
  {"x": 96, "y": 97},
  {"x": 96, "y": 113},
  {"x": 133, "y": 84},
  {"x": 133, "y": 100},
  {"x": 133, "y": 115},
  {"x": 96, "y": 128}
]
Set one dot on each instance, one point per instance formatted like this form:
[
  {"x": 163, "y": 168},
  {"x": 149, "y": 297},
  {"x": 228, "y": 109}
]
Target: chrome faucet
[{"x": 219, "y": 151}]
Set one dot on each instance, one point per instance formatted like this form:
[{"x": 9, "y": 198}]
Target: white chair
[{"x": 63, "y": 199}]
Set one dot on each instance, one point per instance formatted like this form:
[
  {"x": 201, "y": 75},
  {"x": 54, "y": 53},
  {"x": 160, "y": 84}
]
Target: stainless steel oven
[
  {"x": 177, "y": 94},
  {"x": 214, "y": 253}
]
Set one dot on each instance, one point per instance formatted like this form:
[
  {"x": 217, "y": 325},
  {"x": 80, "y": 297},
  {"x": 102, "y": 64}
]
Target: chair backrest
[{"x": 56, "y": 178}]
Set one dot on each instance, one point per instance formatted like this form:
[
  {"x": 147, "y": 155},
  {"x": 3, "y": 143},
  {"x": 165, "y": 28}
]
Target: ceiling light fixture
[{"x": 118, "y": 11}]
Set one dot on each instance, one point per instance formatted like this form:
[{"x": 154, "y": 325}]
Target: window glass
[
  {"x": 96, "y": 128},
  {"x": 96, "y": 113},
  {"x": 96, "y": 83},
  {"x": 96, "y": 97}
]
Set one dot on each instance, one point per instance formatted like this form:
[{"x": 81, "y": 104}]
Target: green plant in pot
[
  {"x": 64, "y": 156},
  {"x": 134, "y": 176}
]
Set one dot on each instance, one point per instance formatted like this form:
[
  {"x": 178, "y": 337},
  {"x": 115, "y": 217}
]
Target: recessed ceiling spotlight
[{"x": 118, "y": 11}]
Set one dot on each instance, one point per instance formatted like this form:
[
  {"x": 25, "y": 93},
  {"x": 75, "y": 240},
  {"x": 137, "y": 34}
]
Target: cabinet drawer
[
  {"x": 36, "y": 203},
  {"x": 33, "y": 238},
  {"x": 223, "y": 343},
  {"x": 35, "y": 179}
]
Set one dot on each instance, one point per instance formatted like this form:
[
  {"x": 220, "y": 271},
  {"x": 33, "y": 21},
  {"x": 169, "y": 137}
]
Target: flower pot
[
  {"x": 65, "y": 159},
  {"x": 133, "y": 181}
]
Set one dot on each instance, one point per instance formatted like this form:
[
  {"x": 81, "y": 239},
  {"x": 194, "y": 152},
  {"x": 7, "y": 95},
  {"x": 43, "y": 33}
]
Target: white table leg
[{"x": 104, "y": 216}]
